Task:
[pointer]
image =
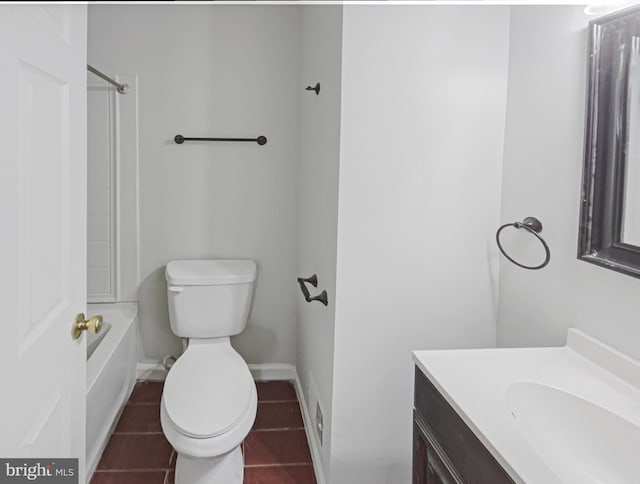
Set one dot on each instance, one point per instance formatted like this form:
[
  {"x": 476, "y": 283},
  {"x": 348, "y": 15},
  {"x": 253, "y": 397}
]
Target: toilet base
[{"x": 223, "y": 469}]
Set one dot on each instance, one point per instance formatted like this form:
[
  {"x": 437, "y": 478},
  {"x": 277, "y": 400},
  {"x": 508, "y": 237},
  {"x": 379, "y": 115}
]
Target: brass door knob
[{"x": 93, "y": 325}]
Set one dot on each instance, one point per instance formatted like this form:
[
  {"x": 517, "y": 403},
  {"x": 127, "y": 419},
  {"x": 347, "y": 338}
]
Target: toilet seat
[
  {"x": 208, "y": 391},
  {"x": 214, "y": 446}
]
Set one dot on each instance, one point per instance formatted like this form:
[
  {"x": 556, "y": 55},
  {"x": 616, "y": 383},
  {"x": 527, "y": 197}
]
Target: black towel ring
[{"x": 533, "y": 226}]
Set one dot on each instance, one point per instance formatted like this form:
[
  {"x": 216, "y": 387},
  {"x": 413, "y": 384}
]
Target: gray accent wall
[{"x": 213, "y": 70}]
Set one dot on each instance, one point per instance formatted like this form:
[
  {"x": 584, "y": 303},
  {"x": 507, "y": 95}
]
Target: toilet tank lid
[{"x": 210, "y": 272}]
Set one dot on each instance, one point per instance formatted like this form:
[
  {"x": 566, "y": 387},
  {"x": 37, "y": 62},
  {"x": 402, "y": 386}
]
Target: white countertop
[{"x": 475, "y": 384}]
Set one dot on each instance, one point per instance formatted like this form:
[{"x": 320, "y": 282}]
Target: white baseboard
[
  {"x": 309, "y": 425},
  {"x": 271, "y": 371},
  {"x": 151, "y": 371},
  {"x": 260, "y": 371}
]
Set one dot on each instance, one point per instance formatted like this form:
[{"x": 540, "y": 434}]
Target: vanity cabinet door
[
  {"x": 429, "y": 465},
  {"x": 452, "y": 453},
  {"x": 436, "y": 471}
]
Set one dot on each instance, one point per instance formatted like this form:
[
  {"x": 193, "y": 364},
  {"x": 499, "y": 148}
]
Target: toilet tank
[{"x": 209, "y": 298}]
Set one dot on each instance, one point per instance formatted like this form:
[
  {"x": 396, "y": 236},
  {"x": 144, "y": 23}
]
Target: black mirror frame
[{"x": 599, "y": 240}]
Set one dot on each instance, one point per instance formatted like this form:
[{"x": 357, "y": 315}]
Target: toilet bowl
[{"x": 209, "y": 399}]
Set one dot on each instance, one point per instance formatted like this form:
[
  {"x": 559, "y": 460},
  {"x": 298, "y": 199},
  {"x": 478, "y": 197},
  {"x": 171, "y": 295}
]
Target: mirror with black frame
[{"x": 610, "y": 214}]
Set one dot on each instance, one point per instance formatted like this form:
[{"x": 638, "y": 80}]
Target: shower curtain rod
[{"x": 121, "y": 88}]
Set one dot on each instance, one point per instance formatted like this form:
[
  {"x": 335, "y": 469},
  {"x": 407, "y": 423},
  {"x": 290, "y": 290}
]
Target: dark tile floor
[{"x": 275, "y": 451}]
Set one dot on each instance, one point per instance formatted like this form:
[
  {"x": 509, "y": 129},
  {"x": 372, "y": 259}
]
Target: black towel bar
[{"x": 261, "y": 140}]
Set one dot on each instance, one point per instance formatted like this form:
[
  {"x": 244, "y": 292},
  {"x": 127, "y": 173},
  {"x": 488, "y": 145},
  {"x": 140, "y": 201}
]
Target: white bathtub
[
  {"x": 93, "y": 340},
  {"x": 111, "y": 372}
]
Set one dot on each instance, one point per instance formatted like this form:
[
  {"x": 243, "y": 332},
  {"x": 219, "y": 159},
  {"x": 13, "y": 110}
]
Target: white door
[{"x": 42, "y": 230}]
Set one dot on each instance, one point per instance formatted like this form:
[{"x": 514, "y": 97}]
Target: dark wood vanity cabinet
[
  {"x": 429, "y": 466},
  {"x": 445, "y": 450}
]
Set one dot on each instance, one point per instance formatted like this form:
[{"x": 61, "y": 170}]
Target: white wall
[
  {"x": 213, "y": 71},
  {"x": 544, "y": 140},
  {"x": 318, "y": 208},
  {"x": 423, "y": 111}
]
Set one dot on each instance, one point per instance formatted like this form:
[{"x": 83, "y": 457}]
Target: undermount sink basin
[{"x": 580, "y": 441}]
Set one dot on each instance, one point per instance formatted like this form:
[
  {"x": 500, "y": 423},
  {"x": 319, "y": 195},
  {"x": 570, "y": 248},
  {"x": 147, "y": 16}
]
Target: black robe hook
[{"x": 315, "y": 88}]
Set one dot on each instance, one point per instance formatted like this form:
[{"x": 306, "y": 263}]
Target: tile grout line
[{"x": 277, "y": 401}]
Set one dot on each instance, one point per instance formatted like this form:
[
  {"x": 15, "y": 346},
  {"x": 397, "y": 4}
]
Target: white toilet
[{"x": 209, "y": 399}]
